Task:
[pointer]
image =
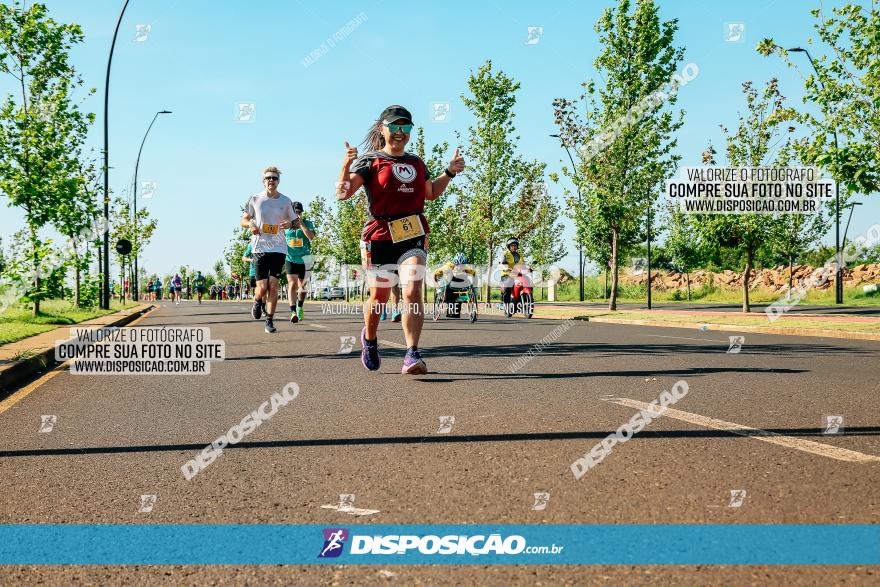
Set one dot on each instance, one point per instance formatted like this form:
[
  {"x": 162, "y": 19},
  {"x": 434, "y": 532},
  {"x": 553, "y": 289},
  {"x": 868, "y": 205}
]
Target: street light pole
[
  {"x": 838, "y": 281},
  {"x": 649, "y": 257},
  {"x": 135, "y": 235},
  {"x": 106, "y": 284},
  {"x": 580, "y": 244}
]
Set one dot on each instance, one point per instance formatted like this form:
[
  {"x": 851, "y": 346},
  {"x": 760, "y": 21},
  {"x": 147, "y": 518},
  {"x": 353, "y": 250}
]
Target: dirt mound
[{"x": 775, "y": 279}]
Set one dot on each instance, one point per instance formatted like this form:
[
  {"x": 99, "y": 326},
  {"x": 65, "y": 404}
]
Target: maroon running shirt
[{"x": 395, "y": 188}]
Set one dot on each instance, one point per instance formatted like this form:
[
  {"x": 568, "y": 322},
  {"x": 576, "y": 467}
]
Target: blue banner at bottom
[{"x": 676, "y": 544}]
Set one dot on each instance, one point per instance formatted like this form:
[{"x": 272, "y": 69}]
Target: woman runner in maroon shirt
[{"x": 395, "y": 238}]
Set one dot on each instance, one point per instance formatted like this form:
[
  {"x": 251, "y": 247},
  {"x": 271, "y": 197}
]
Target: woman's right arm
[{"x": 348, "y": 182}]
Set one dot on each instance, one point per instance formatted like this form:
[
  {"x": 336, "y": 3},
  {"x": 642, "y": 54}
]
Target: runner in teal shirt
[
  {"x": 248, "y": 258},
  {"x": 298, "y": 262}
]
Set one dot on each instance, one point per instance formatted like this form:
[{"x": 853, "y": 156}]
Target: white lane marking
[
  {"x": 816, "y": 448},
  {"x": 395, "y": 345},
  {"x": 350, "y": 510},
  {"x": 686, "y": 338},
  {"x": 316, "y": 325}
]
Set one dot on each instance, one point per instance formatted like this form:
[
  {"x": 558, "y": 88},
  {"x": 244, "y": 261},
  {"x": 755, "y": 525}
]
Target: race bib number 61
[{"x": 406, "y": 228}]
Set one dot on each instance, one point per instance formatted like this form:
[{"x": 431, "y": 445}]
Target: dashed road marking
[
  {"x": 809, "y": 446},
  {"x": 350, "y": 510}
]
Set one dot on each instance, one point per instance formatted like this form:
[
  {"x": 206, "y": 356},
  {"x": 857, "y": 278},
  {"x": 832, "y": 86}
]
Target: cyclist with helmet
[
  {"x": 455, "y": 279},
  {"x": 510, "y": 259}
]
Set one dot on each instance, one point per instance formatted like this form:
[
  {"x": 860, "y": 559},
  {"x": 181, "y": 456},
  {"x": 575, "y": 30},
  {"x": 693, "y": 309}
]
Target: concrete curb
[
  {"x": 13, "y": 375},
  {"x": 818, "y": 332}
]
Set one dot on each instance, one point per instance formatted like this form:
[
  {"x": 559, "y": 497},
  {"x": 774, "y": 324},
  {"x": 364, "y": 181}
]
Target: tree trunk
[
  {"x": 100, "y": 281},
  {"x": 489, "y": 281},
  {"x": 76, "y": 290},
  {"x": 36, "y": 262},
  {"x": 688, "y": 274},
  {"x": 612, "y": 301},
  {"x": 746, "y": 274},
  {"x": 790, "y": 276}
]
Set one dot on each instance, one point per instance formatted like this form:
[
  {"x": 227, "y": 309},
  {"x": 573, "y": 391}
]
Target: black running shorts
[
  {"x": 298, "y": 269},
  {"x": 268, "y": 265}
]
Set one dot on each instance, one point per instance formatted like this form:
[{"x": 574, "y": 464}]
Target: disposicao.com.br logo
[{"x": 476, "y": 545}]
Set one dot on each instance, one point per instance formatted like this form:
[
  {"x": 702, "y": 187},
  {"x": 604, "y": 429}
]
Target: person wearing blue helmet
[{"x": 455, "y": 276}]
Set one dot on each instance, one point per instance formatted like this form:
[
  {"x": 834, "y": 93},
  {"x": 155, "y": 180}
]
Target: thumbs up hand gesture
[
  {"x": 456, "y": 164},
  {"x": 351, "y": 153}
]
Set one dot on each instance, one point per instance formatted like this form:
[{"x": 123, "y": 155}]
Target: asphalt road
[{"x": 376, "y": 435}]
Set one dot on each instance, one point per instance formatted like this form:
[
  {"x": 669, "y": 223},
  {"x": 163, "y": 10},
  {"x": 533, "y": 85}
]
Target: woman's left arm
[{"x": 434, "y": 188}]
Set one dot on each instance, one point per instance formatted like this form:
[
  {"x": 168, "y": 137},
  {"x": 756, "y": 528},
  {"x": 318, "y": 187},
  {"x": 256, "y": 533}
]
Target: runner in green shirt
[
  {"x": 298, "y": 262},
  {"x": 199, "y": 282},
  {"x": 259, "y": 305}
]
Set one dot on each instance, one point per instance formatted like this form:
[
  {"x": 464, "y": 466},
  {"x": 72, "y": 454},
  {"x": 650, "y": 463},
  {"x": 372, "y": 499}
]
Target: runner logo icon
[
  {"x": 334, "y": 540},
  {"x": 404, "y": 172}
]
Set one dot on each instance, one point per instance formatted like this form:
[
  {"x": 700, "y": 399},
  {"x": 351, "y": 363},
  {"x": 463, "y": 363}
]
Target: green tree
[
  {"x": 682, "y": 243},
  {"x": 41, "y": 131},
  {"x": 443, "y": 219},
  {"x": 220, "y": 272},
  {"x": 538, "y": 223},
  {"x": 622, "y": 170},
  {"x": 844, "y": 87},
  {"x": 318, "y": 211},
  {"x": 345, "y": 235},
  {"x": 76, "y": 219},
  {"x": 750, "y": 145},
  {"x": 486, "y": 190},
  {"x": 123, "y": 227},
  {"x": 29, "y": 285},
  {"x": 794, "y": 234},
  {"x": 235, "y": 251},
  {"x": 345, "y": 230}
]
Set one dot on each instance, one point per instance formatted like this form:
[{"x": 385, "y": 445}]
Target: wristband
[{"x": 449, "y": 173}]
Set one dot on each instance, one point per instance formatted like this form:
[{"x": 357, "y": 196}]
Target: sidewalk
[
  {"x": 708, "y": 307},
  {"x": 805, "y": 324},
  {"x": 24, "y": 358}
]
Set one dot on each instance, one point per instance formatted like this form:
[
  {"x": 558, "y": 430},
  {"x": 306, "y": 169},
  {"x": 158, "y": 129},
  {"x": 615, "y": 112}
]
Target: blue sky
[{"x": 200, "y": 59}]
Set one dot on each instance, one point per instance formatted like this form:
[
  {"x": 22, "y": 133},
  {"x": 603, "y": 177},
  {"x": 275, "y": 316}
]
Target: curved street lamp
[
  {"x": 135, "y": 191},
  {"x": 838, "y": 281},
  {"x": 106, "y": 285}
]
